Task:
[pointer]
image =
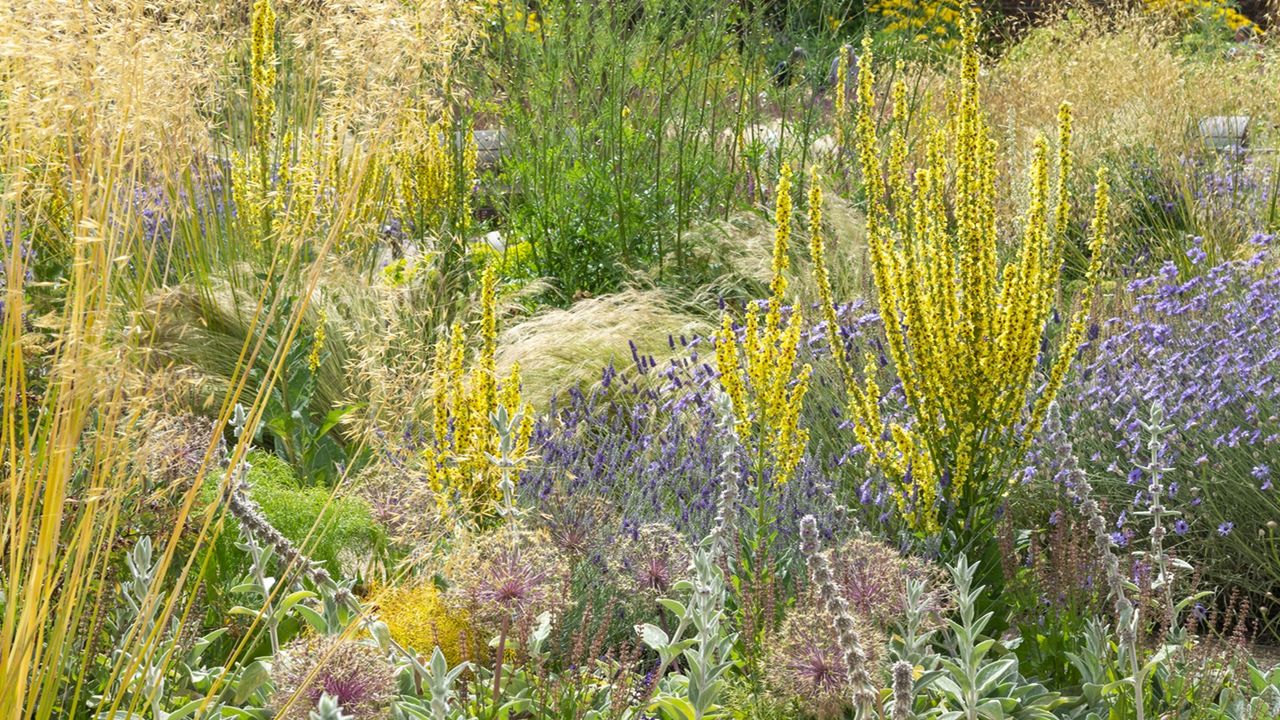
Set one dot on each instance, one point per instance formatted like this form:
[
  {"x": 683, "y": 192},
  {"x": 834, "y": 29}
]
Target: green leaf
[
  {"x": 254, "y": 676},
  {"x": 185, "y": 710},
  {"x": 313, "y": 617}
]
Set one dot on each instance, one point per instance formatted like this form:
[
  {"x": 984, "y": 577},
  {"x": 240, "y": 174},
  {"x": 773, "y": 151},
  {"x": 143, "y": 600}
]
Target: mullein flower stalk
[
  {"x": 459, "y": 458},
  {"x": 1128, "y": 616},
  {"x": 263, "y": 81},
  {"x": 964, "y": 333},
  {"x": 864, "y": 693},
  {"x": 759, "y": 374}
]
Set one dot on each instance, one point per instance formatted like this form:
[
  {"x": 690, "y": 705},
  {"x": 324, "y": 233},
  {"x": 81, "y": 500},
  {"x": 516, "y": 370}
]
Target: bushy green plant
[{"x": 329, "y": 528}]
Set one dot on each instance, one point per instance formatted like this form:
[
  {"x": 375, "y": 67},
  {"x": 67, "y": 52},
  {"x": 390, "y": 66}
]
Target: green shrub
[{"x": 324, "y": 529}]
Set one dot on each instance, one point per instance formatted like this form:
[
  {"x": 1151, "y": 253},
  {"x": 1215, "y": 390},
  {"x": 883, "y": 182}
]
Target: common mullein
[
  {"x": 864, "y": 692},
  {"x": 963, "y": 331}
]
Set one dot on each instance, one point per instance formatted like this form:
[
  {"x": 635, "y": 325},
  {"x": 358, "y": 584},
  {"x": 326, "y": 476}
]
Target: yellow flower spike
[
  {"x": 470, "y": 154},
  {"x": 758, "y": 373},
  {"x": 963, "y": 328},
  {"x": 781, "y": 238},
  {"x": 463, "y": 399},
  {"x": 1063, "y": 211},
  {"x": 1075, "y": 332},
  {"x": 262, "y": 61},
  {"x": 317, "y": 342},
  {"x": 727, "y": 366}
]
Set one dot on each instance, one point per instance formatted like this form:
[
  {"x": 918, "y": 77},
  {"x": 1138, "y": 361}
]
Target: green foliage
[
  {"x": 623, "y": 125},
  {"x": 324, "y": 526},
  {"x": 980, "y": 675}
]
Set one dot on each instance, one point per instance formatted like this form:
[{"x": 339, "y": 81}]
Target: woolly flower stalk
[
  {"x": 903, "y": 686},
  {"x": 1081, "y": 491},
  {"x": 256, "y": 525},
  {"x": 722, "y": 533},
  {"x": 964, "y": 331},
  {"x": 758, "y": 372},
  {"x": 855, "y": 655},
  {"x": 355, "y": 675}
]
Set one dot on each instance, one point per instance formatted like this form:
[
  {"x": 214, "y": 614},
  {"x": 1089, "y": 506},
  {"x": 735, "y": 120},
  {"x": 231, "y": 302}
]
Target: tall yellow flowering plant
[
  {"x": 964, "y": 331},
  {"x": 434, "y": 173},
  {"x": 463, "y": 477},
  {"x": 758, "y": 373}
]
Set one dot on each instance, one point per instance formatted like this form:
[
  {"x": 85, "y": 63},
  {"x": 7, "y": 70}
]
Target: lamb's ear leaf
[
  {"x": 675, "y": 606},
  {"x": 313, "y": 617},
  {"x": 653, "y": 636},
  {"x": 255, "y": 675}
]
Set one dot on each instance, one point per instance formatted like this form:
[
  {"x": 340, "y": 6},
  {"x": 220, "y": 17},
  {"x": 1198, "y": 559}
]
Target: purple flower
[
  {"x": 1262, "y": 473},
  {"x": 1196, "y": 252},
  {"x": 1225, "y": 528},
  {"x": 1180, "y": 526}
]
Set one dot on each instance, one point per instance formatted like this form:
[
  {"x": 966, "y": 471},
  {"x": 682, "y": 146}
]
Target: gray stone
[{"x": 1225, "y": 132}]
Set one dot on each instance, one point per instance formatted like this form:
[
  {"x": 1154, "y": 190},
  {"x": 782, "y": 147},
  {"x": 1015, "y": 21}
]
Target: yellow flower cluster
[
  {"x": 263, "y": 66},
  {"x": 756, "y": 373},
  {"x": 400, "y": 271},
  {"x": 460, "y": 472},
  {"x": 431, "y": 186},
  {"x": 963, "y": 331},
  {"x": 420, "y": 619},
  {"x": 923, "y": 20},
  {"x": 311, "y": 172},
  {"x": 514, "y": 261},
  {"x": 317, "y": 341},
  {"x": 1219, "y": 10}
]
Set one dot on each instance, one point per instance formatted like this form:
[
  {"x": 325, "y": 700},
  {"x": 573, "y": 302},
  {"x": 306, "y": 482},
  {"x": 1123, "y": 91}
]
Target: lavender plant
[
  {"x": 702, "y": 637},
  {"x": 1206, "y": 348}
]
